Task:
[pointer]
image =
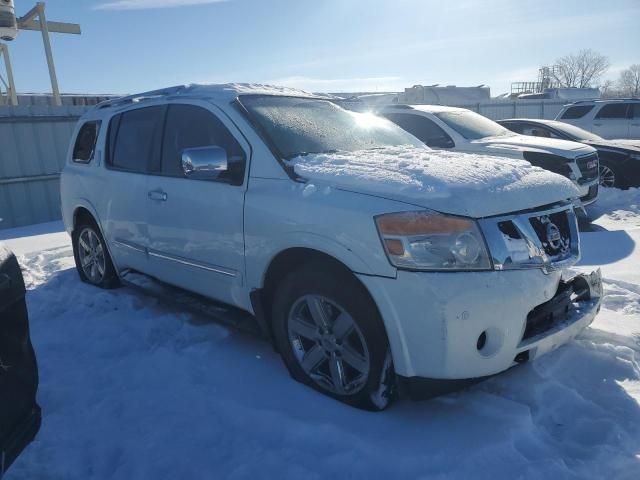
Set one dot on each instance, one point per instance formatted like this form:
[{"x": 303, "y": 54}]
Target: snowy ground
[{"x": 134, "y": 389}]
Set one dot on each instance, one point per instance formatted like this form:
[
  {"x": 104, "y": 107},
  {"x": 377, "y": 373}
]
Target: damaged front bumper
[{"x": 548, "y": 326}]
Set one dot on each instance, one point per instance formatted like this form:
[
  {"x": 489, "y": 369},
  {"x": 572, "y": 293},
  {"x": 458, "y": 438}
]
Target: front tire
[
  {"x": 331, "y": 337},
  {"x": 609, "y": 177},
  {"x": 92, "y": 258}
]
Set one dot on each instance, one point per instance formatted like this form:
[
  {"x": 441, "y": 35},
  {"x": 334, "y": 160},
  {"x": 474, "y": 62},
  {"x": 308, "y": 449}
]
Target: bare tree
[
  {"x": 581, "y": 69},
  {"x": 607, "y": 89},
  {"x": 629, "y": 81}
]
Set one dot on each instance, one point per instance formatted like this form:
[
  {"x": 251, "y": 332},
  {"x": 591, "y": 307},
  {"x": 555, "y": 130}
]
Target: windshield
[
  {"x": 472, "y": 126},
  {"x": 576, "y": 133},
  {"x": 299, "y": 126}
]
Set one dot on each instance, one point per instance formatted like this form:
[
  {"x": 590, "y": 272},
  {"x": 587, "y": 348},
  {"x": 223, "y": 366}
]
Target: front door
[{"x": 196, "y": 228}]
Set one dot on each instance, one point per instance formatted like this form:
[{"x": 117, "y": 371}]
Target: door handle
[
  {"x": 158, "y": 195},
  {"x": 597, "y": 124}
]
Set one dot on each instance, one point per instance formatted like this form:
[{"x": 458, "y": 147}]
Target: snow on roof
[
  {"x": 223, "y": 93},
  {"x": 230, "y": 91},
  {"x": 437, "y": 108},
  {"x": 451, "y": 182}
]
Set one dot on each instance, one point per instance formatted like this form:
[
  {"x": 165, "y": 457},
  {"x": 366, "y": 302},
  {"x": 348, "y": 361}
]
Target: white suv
[
  {"x": 368, "y": 259},
  {"x": 613, "y": 119},
  {"x": 461, "y": 130}
]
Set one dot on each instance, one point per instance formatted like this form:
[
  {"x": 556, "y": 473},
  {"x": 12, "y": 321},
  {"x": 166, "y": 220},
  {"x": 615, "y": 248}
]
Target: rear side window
[
  {"x": 636, "y": 110},
  {"x": 422, "y": 128},
  {"x": 614, "y": 110},
  {"x": 134, "y": 138},
  {"x": 189, "y": 126},
  {"x": 578, "y": 111},
  {"x": 85, "y": 145}
]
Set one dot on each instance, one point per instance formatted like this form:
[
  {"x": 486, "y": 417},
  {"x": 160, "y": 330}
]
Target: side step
[{"x": 222, "y": 313}]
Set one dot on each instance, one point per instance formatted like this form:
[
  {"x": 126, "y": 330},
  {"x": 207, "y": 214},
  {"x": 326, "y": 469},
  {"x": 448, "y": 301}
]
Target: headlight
[{"x": 427, "y": 240}]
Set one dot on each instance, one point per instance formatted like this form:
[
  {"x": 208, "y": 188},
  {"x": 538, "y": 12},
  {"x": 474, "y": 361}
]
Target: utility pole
[
  {"x": 36, "y": 20},
  {"x": 11, "y": 88}
]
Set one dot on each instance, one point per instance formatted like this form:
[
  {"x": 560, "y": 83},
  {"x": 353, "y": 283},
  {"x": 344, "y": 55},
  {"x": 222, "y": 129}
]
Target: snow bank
[
  {"x": 617, "y": 209},
  {"x": 134, "y": 388},
  {"x": 453, "y": 182}
]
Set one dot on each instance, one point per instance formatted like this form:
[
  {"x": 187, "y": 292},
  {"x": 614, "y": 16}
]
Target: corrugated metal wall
[
  {"x": 33, "y": 147},
  {"x": 500, "y": 109}
]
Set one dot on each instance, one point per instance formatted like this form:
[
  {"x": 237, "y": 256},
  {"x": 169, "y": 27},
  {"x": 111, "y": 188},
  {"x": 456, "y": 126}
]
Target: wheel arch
[
  {"x": 284, "y": 263},
  {"x": 85, "y": 211}
]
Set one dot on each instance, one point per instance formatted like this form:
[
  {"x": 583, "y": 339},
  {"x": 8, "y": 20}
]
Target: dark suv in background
[{"x": 19, "y": 412}]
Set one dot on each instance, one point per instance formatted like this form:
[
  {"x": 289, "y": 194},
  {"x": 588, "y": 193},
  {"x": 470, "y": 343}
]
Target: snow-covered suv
[
  {"x": 612, "y": 119},
  {"x": 462, "y": 130},
  {"x": 370, "y": 260}
]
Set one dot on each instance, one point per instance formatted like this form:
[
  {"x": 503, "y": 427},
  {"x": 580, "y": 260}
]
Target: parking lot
[{"x": 134, "y": 388}]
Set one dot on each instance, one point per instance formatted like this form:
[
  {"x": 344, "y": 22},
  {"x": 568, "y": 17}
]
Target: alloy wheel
[
  {"x": 607, "y": 177},
  {"x": 91, "y": 254},
  {"x": 328, "y": 345}
]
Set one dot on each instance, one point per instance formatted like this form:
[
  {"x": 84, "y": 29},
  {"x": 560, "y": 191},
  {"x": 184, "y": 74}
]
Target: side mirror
[
  {"x": 440, "y": 142},
  {"x": 204, "y": 163}
]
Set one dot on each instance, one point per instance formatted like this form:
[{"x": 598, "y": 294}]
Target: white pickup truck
[{"x": 370, "y": 260}]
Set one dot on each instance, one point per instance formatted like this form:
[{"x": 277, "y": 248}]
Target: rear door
[
  {"x": 134, "y": 142},
  {"x": 196, "y": 227},
  {"x": 19, "y": 413},
  {"x": 613, "y": 120}
]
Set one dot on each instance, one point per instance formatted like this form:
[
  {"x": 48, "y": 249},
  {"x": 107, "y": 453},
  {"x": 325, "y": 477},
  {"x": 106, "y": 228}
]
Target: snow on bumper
[{"x": 474, "y": 324}]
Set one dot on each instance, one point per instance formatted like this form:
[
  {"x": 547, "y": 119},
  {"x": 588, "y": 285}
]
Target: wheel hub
[{"x": 329, "y": 343}]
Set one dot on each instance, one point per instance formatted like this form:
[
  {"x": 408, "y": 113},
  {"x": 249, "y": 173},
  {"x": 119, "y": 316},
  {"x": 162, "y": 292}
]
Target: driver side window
[
  {"x": 189, "y": 126},
  {"x": 538, "y": 131},
  {"x": 422, "y": 128}
]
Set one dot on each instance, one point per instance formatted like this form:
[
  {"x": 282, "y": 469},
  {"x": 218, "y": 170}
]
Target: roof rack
[
  {"x": 606, "y": 100},
  {"x": 140, "y": 97}
]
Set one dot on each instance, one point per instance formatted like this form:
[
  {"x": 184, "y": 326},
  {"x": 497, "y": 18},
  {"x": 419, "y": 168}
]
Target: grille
[
  {"x": 546, "y": 239},
  {"x": 553, "y": 232},
  {"x": 588, "y": 166}
]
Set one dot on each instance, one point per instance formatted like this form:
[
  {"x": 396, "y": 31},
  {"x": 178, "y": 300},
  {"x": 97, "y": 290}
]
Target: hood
[
  {"x": 632, "y": 146},
  {"x": 524, "y": 143},
  {"x": 449, "y": 182}
]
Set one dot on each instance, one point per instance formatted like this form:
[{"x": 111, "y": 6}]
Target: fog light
[{"x": 482, "y": 341}]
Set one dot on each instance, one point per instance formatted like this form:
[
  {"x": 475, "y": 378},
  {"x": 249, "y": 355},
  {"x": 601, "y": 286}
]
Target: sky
[{"x": 128, "y": 46}]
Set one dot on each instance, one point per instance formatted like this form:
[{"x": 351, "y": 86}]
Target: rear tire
[
  {"x": 91, "y": 255},
  {"x": 331, "y": 337}
]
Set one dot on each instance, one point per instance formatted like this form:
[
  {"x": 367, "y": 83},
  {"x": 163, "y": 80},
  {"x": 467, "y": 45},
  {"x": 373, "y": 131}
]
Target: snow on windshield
[
  {"x": 472, "y": 126},
  {"x": 297, "y": 126}
]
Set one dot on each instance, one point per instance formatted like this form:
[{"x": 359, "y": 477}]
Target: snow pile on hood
[{"x": 452, "y": 182}]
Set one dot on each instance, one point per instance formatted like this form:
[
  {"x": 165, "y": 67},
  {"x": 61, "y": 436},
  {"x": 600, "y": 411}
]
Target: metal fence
[
  {"x": 33, "y": 148},
  {"x": 500, "y": 109}
]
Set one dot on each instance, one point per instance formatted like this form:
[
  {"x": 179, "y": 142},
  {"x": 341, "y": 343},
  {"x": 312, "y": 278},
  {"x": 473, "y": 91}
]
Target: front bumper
[
  {"x": 589, "y": 193},
  {"x": 435, "y": 321}
]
